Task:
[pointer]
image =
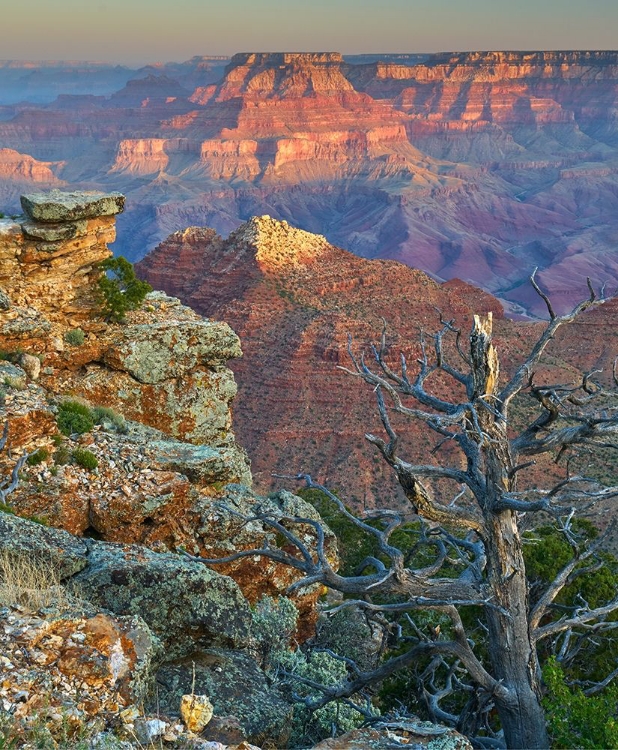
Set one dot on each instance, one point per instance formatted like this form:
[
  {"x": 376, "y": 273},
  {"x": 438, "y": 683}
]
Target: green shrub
[
  {"x": 272, "y": 629},
  {"x": 108, "y": 417},
  {"x": 7, "y": 355},
  {"x": 273, "y": 624},
  {"x": 40, "y": 455},
  {"x": 309, "y": 727},
  {"x": 75, "y": 337},
  {"x": 74, "y": 417},
  {"x": 576, "y": 720},
  {"x": 85, "y": 458},
  {"x": 119, "y": 290}
]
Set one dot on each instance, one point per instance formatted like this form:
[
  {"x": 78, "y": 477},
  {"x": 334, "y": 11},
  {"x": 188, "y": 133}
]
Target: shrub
[
  {"x": 75, "y": 337},
  {"x": 272, "y": 628},
  {"x": 85, "y": 458},
  {"x": 574, "y": 719},
  {"x": 13, "y": 356},
  {"x": 108, "y": 417},
  {"x": 309, "y": 727},
  {"x": 74, "y": 417},
  {"x": 40, "y": 455},
  {"x": 119, "y": 290},
  {"x": 273, "y": 624},
  {"x": 62, "y": 456},
  {"x": 29, "y": 583}
]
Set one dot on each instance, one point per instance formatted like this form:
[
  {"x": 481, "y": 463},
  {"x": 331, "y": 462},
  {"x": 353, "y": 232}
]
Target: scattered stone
[
  {"x": 147, "y": 730},
  {"x": 196, "y": 712},
  {"x": 409, "y": 732}
]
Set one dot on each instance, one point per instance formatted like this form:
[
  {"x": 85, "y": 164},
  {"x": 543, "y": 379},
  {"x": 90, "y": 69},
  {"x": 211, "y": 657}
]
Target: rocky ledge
[{"x": 119, "y": 475}]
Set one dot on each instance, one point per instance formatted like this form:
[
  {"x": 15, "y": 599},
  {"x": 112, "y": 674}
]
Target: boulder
[
  {"x": 236, "y": 687},
  {"x": 55, "y": 548},
  {"x": 31, "y": 365},
  {"x": 152, "y": 353},
  {"x": 187, "y": 605}
]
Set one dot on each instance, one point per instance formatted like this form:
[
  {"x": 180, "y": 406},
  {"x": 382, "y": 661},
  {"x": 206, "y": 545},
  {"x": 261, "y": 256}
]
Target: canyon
[
  {"x": 477, "y": 165},
  {"x": 302, "y": 306}
]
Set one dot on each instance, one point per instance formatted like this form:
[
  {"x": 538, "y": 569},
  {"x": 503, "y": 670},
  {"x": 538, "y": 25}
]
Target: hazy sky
[{"x": 136, "y": 31}]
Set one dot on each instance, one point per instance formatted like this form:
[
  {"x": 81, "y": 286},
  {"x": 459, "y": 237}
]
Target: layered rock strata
[
  {"x": 163, "y": 468},
  {"x": 476, "y": 165},
  {"x": 294, "y": 299}
]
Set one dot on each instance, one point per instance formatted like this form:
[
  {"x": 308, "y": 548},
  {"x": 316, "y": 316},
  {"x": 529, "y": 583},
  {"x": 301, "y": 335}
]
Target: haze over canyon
[{"x": 478, "y": 166}]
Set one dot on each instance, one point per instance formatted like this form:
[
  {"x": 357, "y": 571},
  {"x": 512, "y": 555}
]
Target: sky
[{"x": 139, "y": 31}]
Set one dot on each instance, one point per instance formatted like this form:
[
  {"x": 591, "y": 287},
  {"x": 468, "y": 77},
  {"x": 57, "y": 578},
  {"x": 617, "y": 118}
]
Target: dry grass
[{"x": 30, "y": 584}]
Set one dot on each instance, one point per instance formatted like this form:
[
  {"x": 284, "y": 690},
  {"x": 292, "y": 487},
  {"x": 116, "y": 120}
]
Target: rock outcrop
[
  {"x": 89, "y": 662},
  {"x": 294, "y": 299},
  {"x": 165, "y": 368},
  {"x": 119, "y": 513},
  {"x": 171, "y": 450}
]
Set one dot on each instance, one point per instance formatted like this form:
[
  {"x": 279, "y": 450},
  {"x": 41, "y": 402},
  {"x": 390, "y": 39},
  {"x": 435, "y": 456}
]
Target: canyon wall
[{"x": 478, "y": 165}]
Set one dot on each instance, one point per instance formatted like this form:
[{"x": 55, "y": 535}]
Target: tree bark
[
  {"x": 511, "y": 647},
  {"x": 511, "y": 650}
]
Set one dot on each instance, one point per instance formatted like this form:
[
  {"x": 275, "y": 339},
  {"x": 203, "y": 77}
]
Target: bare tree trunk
[
  {"x": 512, "y": 653},
  {"x": 511, "y": 648}
]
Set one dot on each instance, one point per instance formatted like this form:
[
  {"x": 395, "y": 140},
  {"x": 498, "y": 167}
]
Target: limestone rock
[
  {"x": 5, "y": 301},
  {"x": 31, "y": 366},
  {"x": 236, "y": 686},
  {"x": 54, "y": 232},
  {"x": 20, "y": 326},
  {"x": 159, "y": 351},
  {"x": 57, "y": 206},
  {"x": 184, "y": 603},
  {"x": 65, "y": 554},
  {"x": 196, "y": 711},
  {"x": 202, "y": 464}
]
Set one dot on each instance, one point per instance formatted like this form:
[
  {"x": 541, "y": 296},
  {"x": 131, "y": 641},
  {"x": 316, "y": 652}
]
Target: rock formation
[
  {"x": 108, "y": 509},
  {"x": 478, "y": 165},
  {"x": 294, "y": 299}
]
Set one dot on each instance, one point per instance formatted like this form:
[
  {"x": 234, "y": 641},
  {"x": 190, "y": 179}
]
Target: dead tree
[{"x": 479, "y": 523}]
